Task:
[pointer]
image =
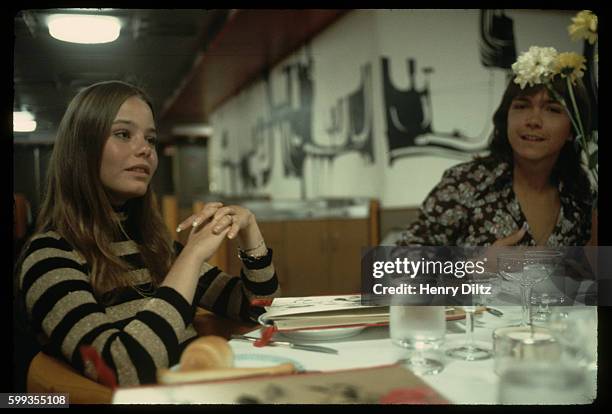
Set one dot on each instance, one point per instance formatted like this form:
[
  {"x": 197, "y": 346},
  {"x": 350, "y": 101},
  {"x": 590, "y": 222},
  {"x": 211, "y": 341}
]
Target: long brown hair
[
  {"x": 76, "y": 205},
  {"x": 567, "y": 168}
]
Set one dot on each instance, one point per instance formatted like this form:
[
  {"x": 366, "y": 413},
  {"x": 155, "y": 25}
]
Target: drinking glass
[
  {"x": 418, "y": 328},
  {"x": 527, "y": 272},
  {"x": 543, "y": 383},
  {"x": 470, "y": 350},
  {"x": 544, "y": 261},
  {"x": 575, "y": 327}
]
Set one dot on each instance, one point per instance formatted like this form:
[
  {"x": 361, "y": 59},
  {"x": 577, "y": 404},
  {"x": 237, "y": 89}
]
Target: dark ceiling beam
[{"x": 249, "y": 43}]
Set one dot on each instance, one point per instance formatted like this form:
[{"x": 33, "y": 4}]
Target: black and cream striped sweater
[{"x": 144, "y": 329}]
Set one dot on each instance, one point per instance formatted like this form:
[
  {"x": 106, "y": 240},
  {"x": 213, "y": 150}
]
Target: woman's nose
[{"x": 143, "y": 149}]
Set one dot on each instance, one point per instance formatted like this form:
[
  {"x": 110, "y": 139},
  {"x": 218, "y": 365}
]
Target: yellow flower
[
  {"x": 584, "y": 26},
  {"x": 570, "y": 64}
]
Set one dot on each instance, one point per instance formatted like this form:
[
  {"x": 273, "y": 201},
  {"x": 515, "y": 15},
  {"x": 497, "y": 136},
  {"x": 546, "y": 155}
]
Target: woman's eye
[
  {"x": 152, "y": 141},
  {"x": 121, "y": 134},
  {"x": 555, "y": 109},
  {"x": 519, "y": 106}
]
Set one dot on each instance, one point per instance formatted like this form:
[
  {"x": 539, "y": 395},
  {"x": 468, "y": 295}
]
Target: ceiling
[{"x": 156, "y": 50}]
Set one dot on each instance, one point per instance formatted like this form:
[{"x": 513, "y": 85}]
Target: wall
[{"x": 350, "y": 115}]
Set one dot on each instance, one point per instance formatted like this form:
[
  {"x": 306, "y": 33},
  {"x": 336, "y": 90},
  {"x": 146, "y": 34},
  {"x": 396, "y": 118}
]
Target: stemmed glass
[
  {"x": 470, "y": 351},
  {"x": 544, "y": 261},
  {"x": 525, "y": 271},
  {"x": 418, "y": 328}
]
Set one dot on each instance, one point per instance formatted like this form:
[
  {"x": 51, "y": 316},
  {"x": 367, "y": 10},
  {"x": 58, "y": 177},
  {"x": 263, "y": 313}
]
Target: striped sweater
[{"x": 144, "y": 329}]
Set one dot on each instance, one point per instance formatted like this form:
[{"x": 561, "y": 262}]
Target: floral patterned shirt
[{"x": 475, "y": 205}]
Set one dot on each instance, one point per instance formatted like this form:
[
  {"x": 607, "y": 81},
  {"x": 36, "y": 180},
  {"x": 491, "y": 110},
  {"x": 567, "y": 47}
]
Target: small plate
[
  {"x": 257, "y": 361},
  {"x": 263, "y": 360},
  {"x": 326, "y": 334},
  {"x": 322, "y": 334}
]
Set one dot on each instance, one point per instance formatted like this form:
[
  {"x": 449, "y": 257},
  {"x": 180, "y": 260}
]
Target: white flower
[{"x": 535, "y": 66}]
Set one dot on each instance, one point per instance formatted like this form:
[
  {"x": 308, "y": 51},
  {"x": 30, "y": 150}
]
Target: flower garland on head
[{"x": 540, "y": 65}]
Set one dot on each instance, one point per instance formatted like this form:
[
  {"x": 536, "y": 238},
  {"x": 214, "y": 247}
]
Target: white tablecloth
[{"x": 461, "y": 382}]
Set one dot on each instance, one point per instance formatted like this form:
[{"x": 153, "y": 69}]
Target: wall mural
[
  {"x": 408, "y": 113},
  {"x": 290, "y": 119}
]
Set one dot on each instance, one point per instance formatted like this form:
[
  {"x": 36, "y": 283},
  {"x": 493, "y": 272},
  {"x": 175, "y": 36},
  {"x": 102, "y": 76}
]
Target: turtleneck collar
[{"x": 121, "y": 209}]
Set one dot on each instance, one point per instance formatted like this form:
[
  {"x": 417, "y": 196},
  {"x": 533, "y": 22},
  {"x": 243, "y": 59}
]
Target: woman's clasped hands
[{"x": 213, "y": 223}]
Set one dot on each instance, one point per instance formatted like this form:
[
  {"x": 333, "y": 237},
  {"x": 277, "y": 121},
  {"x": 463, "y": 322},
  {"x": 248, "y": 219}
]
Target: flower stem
[{"x": 581, "y": 129}]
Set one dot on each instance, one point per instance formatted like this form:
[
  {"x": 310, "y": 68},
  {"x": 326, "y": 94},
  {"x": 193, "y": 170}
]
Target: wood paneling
[{"x": 251, "y": 42}]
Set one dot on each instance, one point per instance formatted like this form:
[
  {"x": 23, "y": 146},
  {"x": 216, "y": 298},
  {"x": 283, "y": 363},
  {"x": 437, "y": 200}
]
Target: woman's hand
[
  {"x": 202, "y": 216},
  {"x": 203, "y": 241},
  {"x": 231, "y": 221},
  {"x": 243, "y": 226},
  {"x": 236, "y": 218}
]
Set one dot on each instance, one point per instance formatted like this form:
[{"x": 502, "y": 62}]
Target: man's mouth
[{"x": 532, "y": 138}]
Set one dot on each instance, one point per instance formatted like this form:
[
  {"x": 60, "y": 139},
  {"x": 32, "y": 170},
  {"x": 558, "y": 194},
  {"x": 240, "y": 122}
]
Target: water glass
[
  {"x": 418, "y": 329},
  {"x": 523, "y": 344},
  {"x": 543, "y": 383},
  {"x": 575, "y": 327}
]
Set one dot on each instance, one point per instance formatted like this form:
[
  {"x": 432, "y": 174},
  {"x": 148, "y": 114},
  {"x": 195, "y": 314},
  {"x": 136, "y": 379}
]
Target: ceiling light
[
  {"x": 23, "y": 122},
  {"x": 84, "y": 28}
]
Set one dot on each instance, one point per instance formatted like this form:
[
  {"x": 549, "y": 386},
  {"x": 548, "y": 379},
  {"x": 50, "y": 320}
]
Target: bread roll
[{"x": 205, "y": 353}]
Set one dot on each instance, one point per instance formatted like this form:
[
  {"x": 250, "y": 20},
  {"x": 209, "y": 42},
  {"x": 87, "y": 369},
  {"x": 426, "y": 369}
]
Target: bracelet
[
  {"x": 250, "y": 259},
  {"x": 253, "y": 248}
]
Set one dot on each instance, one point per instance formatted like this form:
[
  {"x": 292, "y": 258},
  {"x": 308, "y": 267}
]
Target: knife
[
  {"x": 304, "y": 347},
  {"x": 494, "y": 311}
]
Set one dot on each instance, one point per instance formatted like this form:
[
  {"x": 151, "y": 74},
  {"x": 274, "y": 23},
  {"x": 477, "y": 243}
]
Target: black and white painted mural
[
  {"x": 409, "y": 115},
  {"x": 290, "y": 120},
  {"x": 367, "y": 110}
]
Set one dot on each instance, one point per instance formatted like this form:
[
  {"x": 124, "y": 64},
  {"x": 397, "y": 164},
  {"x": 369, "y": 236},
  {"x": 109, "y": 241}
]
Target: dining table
[{"x": 460, "y": 382}]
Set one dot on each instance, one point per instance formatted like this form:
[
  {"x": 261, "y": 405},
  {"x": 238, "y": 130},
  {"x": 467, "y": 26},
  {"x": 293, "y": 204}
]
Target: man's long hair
[{"x": 567, "y": 168}]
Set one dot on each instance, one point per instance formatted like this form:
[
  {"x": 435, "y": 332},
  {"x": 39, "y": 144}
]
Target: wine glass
[
  {"x": 516, "y": 267},
  {"x": 470, "y": 350},
  {"x": 418, "y": 328},
  {"x": 544, "y": 261}
]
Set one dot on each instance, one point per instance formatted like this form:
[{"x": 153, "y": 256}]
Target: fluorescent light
[
  {"x": 23, "y": 122},
  {"x": 84, "y": 28}
]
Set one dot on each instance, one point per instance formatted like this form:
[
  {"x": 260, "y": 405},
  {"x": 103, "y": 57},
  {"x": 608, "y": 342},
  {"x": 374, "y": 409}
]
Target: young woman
[
  {"x": 102, "y": 270},
  {"x": 529, "y": 191}
]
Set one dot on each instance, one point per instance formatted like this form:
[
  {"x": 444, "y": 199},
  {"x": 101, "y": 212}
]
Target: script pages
[{"x": 319, "y": 312}]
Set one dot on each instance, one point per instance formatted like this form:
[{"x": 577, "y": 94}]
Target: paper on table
[
  {"x": 309, "y": 304},
  {"x": 393, "y": 384}
]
